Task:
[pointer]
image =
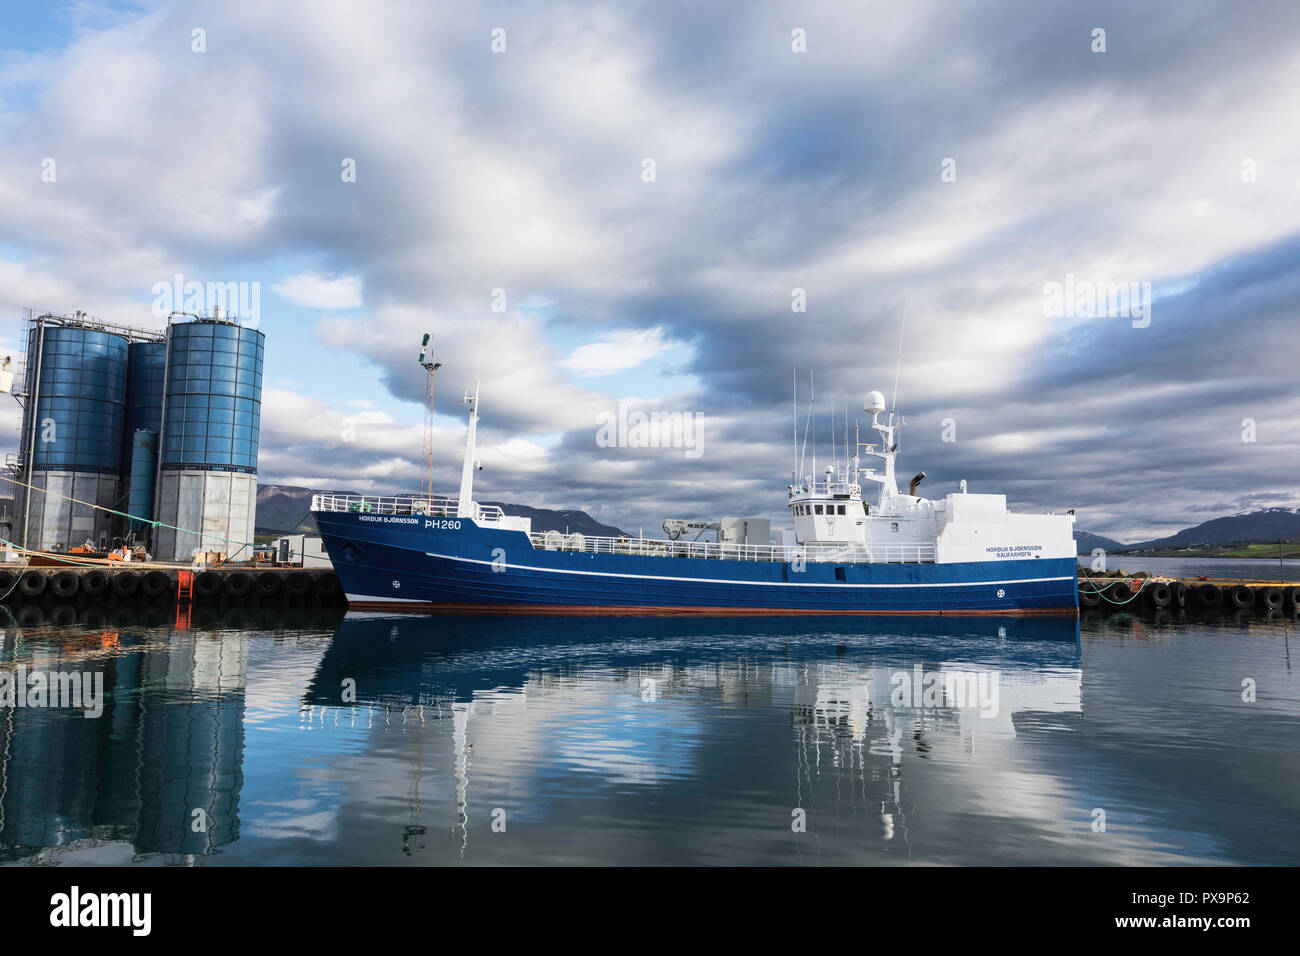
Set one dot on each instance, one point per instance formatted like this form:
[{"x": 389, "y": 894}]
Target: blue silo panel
[
  {"x": 146, "y": 364},
  {"x": 81, "y": 399},
  {"x": 213, "y": 397},
  {"x": 144, "y": 455}
]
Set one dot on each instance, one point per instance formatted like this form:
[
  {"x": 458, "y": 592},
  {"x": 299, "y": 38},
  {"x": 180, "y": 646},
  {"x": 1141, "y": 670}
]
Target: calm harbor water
[
  {"x": 1242, "y": 569},
  {"x": 444, "y": 740}
]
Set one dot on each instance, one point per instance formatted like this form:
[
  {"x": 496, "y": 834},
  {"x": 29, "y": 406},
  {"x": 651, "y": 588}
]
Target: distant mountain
[
  {"x": 1264, "y": 524},
  {"x": 1085, "y": 541},
  {"x": 285, "y": 509},
  {"x": 544, "y": 519}
]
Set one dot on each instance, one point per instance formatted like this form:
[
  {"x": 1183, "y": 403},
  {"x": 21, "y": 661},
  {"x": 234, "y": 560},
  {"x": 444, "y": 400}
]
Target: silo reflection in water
[
  {"x": 169, "y": 743},
  {"x": 191, "y": 755}
]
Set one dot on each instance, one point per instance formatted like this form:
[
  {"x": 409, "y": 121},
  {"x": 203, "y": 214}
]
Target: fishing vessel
[{"x": 858, "y": 545}]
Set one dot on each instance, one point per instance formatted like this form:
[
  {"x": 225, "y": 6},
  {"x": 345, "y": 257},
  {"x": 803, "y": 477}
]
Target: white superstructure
[{"x": 859, "y": 506}]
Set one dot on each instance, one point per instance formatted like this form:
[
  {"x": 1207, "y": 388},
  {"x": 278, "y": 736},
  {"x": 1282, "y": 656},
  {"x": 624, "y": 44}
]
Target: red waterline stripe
[{"x": 587, "y": 610}]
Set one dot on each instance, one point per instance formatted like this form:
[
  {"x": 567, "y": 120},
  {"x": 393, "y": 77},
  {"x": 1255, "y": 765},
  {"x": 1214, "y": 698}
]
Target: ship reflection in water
[{"x": 412, "y": 740}]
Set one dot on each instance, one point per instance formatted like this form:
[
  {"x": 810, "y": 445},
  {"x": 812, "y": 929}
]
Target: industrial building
[{"x": 162, "y": 426}]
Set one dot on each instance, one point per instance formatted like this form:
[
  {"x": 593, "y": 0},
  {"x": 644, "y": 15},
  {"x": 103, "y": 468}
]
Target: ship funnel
[{"x": 911, "y": 489}]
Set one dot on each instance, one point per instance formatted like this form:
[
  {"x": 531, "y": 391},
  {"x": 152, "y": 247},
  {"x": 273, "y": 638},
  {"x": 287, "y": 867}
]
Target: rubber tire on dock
[
  {"x": 267, "y": 584},
  {"x": 1241, "y": 596},
  {"x": 327, "y": 584},
  {"x": 1088, "y": 597},
  {"x": 126, "y": 583},
  {"x": 7, "y": 581},
  {"x": 156, "y": 584},
  {"x": 1268, "y": 599},
  {"x": 1120, "y": 592},
  {"x": 298, "y": 583},
  {"x": 95, "y": 582},
  {"x": 238, "y": 584},
  {"x": 64, "y": 585},
  {"x": 1179, "y": 591},
  {"x": 1160, "y": 594},
  {"x": 1209, "y": 596},
  {"x": 32, "y": 583},
  {"x": 1293, "y": 598},
  {"x": 207, "y": 585}
]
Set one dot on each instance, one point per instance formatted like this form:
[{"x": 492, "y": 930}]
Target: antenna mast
[
  {"x": 898, "y": 367},
  {"x": 426, "y": 459},
  {"x": 898, "y": 372},
  {"x": 794, "y": 410}
]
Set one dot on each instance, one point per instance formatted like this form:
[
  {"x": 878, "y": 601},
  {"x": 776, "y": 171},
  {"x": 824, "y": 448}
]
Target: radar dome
[{"x": 875, "y": 403}]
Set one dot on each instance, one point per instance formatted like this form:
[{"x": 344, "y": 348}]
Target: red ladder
[{"x": 184, "y": 595}]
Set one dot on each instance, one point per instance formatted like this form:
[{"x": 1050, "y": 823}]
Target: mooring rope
[
  {"x": 1101, "y": 593},
  {"x": 153, "y": 524}
]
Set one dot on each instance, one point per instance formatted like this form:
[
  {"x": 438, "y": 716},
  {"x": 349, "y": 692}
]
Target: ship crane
[{"x": 676, "y": 527}]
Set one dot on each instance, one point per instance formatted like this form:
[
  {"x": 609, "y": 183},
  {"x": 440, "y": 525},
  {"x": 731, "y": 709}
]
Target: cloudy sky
[{"x": 627, "y": 202}]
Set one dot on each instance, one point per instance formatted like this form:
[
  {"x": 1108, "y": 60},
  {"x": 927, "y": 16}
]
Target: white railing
[
  {"x": 822, "y": 553},
  {"x": 439, "y": 506},
  {"x": 828, "y": 489}
]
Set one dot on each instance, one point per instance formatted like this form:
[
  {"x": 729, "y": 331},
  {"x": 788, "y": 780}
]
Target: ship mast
[{"x": 465, "y": 506}]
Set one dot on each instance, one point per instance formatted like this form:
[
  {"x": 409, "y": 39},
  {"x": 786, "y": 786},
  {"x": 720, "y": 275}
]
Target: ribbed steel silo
[
  {"x": 146, "y": 369},
  {"x": 70, "y": 449},
  {"x": 207, "y": 461}
]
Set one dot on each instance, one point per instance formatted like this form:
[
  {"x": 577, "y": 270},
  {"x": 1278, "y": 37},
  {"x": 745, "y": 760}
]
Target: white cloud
[
  {"x": 625, "y": 349},
  {"x": 315, "y": 291},
  {"x": 774, "y": 171}
]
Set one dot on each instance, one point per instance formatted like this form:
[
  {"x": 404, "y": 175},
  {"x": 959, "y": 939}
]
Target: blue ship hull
[{"x": 433, "y": 564}]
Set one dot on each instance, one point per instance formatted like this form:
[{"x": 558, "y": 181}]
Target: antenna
[
  {"x": 898, "y": 371},
  {"x": 794, "y": 417},
  {"x": 898, "y": 368},
  {"x": 426, "y": 458},
  {"x": 812, "y": 415},
  {"x": 803, "y": 455}
]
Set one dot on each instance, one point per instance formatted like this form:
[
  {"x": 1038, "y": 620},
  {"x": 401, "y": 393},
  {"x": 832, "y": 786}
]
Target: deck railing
[
  {"x": 437, "y": 506},
  {"x": 820, "y": 553}
]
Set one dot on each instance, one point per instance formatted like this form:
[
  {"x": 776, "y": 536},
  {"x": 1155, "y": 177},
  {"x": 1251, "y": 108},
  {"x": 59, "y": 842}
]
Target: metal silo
[
  {"x": 70, "y": 446},
  {"x": 207, "y": 461},
  {"x": 146, "y": 369}
]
